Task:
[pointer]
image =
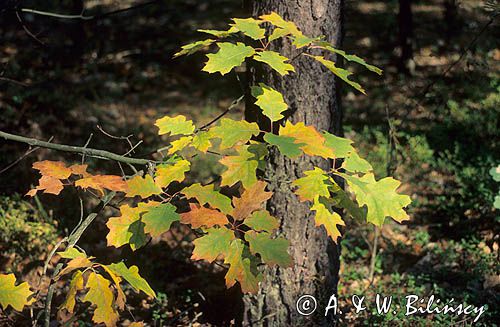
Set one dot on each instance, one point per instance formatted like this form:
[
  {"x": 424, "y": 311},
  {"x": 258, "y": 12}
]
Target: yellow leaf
[
  {"x": 101, "y": 296},
  {"x": 177, "y": 125},
  {"x": 75, "y": 285},
  {"x": 179, "y": 144},
  {"x": 327, "y": 217},
  {"x": 120, "y": 296},
  {"x": 241, "y": 167},
  {"x": 15, "y": 296},
  {"x": 144, "y": 187},
  {"x": 76, "y": 263},
  {"x": 127, "y": 229}
]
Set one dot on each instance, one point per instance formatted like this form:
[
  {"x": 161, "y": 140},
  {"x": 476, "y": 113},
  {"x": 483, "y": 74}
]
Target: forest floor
[{"x": 437, "y": 132}]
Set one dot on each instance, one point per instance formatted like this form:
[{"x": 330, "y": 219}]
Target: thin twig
[
  {"x": 76, "y": 149},
  {"x": 26, "y": 29},
  {"x": 225, "y": 112},
  {"x": 86, "y": 145},
  {"x": 27, "y": 153}
]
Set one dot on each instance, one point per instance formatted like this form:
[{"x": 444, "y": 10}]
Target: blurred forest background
[{"x": 432, "y": 120}]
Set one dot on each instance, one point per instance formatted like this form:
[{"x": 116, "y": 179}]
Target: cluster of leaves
[
  {"x": 237, "y": 230},
  {"x": 495, "y": 173}
]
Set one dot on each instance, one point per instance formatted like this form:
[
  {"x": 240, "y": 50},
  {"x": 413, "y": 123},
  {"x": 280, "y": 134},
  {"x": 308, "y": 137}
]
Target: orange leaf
[
  {"x": 47, "y": 184},
  {"x": 250, "y": 200},
  {"x": 101, "y": 182},
  {"x": 76, "y": 263},
  {"x": 201, "y": 216},
  {"x": 54, "y": 169},
  {"x": 79, "y": 170},
  {"x": 313, "y": 141}
]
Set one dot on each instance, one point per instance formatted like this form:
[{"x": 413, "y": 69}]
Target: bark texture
[{"x": 311, "y": 95}]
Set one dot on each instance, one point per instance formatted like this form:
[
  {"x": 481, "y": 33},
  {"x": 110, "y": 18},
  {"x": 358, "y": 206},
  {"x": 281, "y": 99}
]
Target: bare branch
[{"x": 102, "y": 154}]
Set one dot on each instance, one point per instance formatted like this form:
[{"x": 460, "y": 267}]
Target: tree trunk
[
  {"x": 311, "y": 95},
  {"x": 405, "y": 21}
]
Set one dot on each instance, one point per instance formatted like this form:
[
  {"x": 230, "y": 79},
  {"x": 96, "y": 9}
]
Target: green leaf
[
  {"x": 495, "y": 173},
  {"x": 354, "y": 163},
  {"x": 240, "y": 167},
  {"x": 314, "y": 184},
  {"x": 275, "y": 60},
  {"x": 127, "y": 229},
  {"x": 194, "y": 47},
  {"x": 131, "y": 275},
  {"x": 229, "y": 56},
  {"x": 270, "y": 101},
  {"x": 158, "y": 218},
  {"x": 177, "y": 125},
  {"x": 143, "y": 187},
  {"x": 352, "y": 208},
  {"x": 15, "y": 296},
  {"x": 272, "y": 251},
  {"x": 286, "y": 144},
  {"x": 232, "y": 131},
  {"x": 327, "y": 217},
  {"x": 166, "y": 174},
  {"x": 243, "y": 268},
  {"x": 215, "y": 242},
  {"x": 496, "y": 204},
  {"x": 207, "y": 194},
  {"x": 343, "y": 74},
  {"x": 380, "y": 197},
  {"x": 71, "y": 253},
  {"x": 341, "y": 147},
  {"x": 102, "y": 297},
  {"x": 348, "y": 57},
  {"x": 262, "y": 221},
  {"x": 300, "y": 40},
  {"x": 220, "y": 34},
  {"x": 250, "y": 27}
]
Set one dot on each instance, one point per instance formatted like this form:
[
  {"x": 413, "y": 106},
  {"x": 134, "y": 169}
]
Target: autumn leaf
[
  {"x": 262, "y": 220},
  {"x": 127, "y": 229},
  {"x": 76, "y": 263},
  {"x": 120, "y": 295},
  {"x": 343, "y": 74},
  {"x": 71, "y": 253},
  {"x": 327, "y": 217},
  {"x": 241, "y": 167},
  {"x": 300, "y": 40},
  {"x": 285, "y": 144},
  {"x": 314, "y": 184},
  {"x": 203, "y": 217},
  {"x": 194, "y": 47},
  {"x": 340, "y": 146},
  {"x": 250, "y": 27},
  {"x": 270, "y": 101},
  {"x": 144, "y": 187},
  {"x": 158, "y": 218},
  {"x": 207, "y": 194},
  {"x": 242, "y": 268},
  {"x": 79, "y": 170},
  {"x": 101, "y": 182},
  {"x": 202, "y": 141},
  {"x": 215, "y": 242},
  {"x": 231, "y": 132},
  {"x": 314, "y": 142},
  {"x": 354, "y": 163},
  {"x": 166, "y": 174},
  {"x": 229, "y": 56},
  {"x": 220, "y": 34},
  {"x": 251, "y": 200},
  {"x": 131, "y": 275},
  {"x": 272, "y": 251},
  {"x": 275, "y": 60},
  {"x": 380, "y": 197},
  {"x": 179, "y": 144},
  {"x": 47, "y": 184},
  {"x": 177, "y": 125},
  {"x": 102, "y": 297},
  {"x": 75, "y": 285},
  {"x": 282, "y": 27},
  {"x": 55, "y": 169},
  {"x": 15, "y": 296}
]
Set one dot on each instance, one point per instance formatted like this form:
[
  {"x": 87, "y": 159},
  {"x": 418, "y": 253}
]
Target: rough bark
[{"x": 311, "y": 94}]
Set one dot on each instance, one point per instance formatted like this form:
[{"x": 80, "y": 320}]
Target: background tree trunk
[
  {"x": 311, "y": 94},
  {"x": 405, "y": 21}
]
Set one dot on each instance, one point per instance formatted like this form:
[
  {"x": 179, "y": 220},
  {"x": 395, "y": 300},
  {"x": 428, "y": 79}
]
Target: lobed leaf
[
  {"x": 101, "y": 182},
  {"x": 15, "y": 296},
  {"x": 102, "y": 297},
  {"x": 127, "y": 228},
  {"x": 314, "y": 142},
  {"x": 251, "y": 200},
  {"x": 315, "y": 183},
  {"x": 241, "y": 167},
  {"x": 179, "y": 144},
  {"x": 168, "y": 173},
  {"x": 229, "y": 56},
  {"x": 343, "y": 74},
  {"x": 285, "y": 144},
  {"x": 159, "y": 217},
  {"x": 327, "y": 217},
  {"x": 340, "y": 146},
  {"x": 47, "y": 184},
  {"x": 142, "y": 186},
  {"x": 207, "y": 194},
  {"x": 250, "y": 27},
  {"x": 275, "y": 60},
  {"x": 75, "y": 285},
  {"x": 194, "y": 47},
  {"x": 232, "y": 131},
  {"x": 348, "y": 57},
  {"x": 203, "y": 217},
  {"x": 215, "y": 242},
  {"x": 131, "y": 275},
  {"x": 242, "y": 268},
  {"x": 354, "y": 163},
  {"x": 177, "y": 125},
  {"x": 272, "y": 251},
  {"x": 262, "y": 220},
  {"x": 270, "y": 101}
]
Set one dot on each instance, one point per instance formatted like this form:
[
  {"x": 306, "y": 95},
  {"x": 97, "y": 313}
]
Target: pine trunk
[{"x": 311, "y": 94}]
